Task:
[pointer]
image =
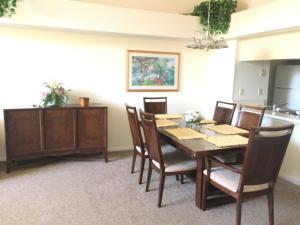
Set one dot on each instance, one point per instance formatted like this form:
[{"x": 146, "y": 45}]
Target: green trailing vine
[
  {"x": 8, "y": 7},
  {"x": 220, "y": 14}
]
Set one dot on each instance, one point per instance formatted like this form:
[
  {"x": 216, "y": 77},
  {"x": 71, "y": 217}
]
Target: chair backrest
[
  {"x": 155, "y": 105},
  {"x": 250, "y": 116},
  {"x": 135, "y": 129},
  {"x": 151, "y": 136},
  {"x": 224, "y": 112},
  {"x": 264, "y": 154}
]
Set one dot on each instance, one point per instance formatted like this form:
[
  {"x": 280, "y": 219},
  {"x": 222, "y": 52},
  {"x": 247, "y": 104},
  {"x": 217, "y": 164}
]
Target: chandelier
[{"x": 207, "y": 39}]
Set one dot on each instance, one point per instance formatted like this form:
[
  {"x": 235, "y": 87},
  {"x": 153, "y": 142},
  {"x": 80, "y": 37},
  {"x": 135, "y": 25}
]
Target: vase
[
  {"x": 189, "y": 124},
  {"x": 57, "y": 102}
]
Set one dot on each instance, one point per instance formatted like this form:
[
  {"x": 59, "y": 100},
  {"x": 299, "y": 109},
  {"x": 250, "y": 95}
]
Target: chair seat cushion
[
  {"x": 230, "y": 180},
  {"x": 176, "y": 161}
]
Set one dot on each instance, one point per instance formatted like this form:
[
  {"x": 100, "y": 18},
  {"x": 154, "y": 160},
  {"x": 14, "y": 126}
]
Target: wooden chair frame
[
  {"x": 137, "y": 140},
  {"x": 224, "y": 115},
  {"x": 156, "y": 105},
  {"x": 250, "y": 116},
  {"x": 155, "y": 153}
]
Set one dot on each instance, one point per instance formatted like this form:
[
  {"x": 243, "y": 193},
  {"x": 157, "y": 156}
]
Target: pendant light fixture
[{"x": 207, "y": 39}]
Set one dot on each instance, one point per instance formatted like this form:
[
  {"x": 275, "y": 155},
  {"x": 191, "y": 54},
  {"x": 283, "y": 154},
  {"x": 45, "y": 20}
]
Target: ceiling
[{"x": 171, "y": 6}]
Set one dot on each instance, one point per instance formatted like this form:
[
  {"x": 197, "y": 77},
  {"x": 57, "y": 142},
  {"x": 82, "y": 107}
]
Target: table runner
[
  {"x": 184, "y": 133},
  {"x": 227, "y": 140},
  {"x": 168, "y": 116},
  {"x": 227, "y": 129},
  {"x": 165, "y": 123},
  {"x": 207, "y": 121}
]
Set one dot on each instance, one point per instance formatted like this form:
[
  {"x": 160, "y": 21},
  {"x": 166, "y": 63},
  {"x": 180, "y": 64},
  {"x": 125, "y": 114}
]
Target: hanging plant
[
  {"x": 220, "y": 14},
  {"x": 8, "y": 7}
]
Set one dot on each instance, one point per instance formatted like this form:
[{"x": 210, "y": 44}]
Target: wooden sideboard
[{"x": 38, "y": 132}]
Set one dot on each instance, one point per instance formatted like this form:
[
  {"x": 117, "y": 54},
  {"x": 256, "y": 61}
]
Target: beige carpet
[{"x": 89, "y": 192}]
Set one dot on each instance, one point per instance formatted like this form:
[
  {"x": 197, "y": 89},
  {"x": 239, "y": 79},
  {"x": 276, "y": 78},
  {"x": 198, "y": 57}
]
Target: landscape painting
[{"x": 152, "y": 71}]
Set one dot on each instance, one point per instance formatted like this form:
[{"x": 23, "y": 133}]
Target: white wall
[
  {"x": 248, "y": 4},
  {"x": 248, "y": 77},
  {"x": 277, "y": 46},
  {"x": 86, "y": 17},
  {"x": 95, "y": 66}
]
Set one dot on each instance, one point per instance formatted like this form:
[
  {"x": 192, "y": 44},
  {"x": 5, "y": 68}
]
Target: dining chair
[
  {"x": 248, "y": 117},
  {"x": 224, "y": 112},
  {"x": 137, "y": 139},
  {"x": 173, "y": 163},
  {"x": 155, "y": 105},
  {"x": 139, "y": 147},
  {"x": 258, "y": 174}
]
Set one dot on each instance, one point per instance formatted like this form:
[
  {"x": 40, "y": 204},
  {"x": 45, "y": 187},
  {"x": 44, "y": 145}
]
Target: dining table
[{"x": 196, "y": 148}]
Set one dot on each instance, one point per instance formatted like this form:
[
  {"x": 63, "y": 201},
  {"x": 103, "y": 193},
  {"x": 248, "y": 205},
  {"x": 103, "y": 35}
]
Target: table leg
[{"x": 199, "y": 172}]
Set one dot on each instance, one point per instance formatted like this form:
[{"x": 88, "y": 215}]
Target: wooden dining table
[{"x": 197, "y": 149}]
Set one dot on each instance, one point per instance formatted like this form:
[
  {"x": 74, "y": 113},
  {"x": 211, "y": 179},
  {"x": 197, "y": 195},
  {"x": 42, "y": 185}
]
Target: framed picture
[{"x": 152, "y": 71}]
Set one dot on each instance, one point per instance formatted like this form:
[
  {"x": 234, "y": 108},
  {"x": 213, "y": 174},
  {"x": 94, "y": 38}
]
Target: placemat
[
  {"x": 227, "y": 140},
  {"x": 165, "y": 123},
  {"x": 207, "y": 121},
  {"x": 227, "y": 129},
  {"x": 184, "y": 133},
  {"x": 168, "y": 116}
]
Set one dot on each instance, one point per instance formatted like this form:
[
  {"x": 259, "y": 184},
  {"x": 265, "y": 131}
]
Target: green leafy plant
[
  {"x": 8, "y": 7},
  {"x": 220, "y": 14},
  {"x": 56, "y": 94}
]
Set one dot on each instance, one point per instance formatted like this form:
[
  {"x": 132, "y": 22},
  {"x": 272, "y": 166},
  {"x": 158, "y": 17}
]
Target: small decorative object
[
  {"x": 191, "y": 117},
  {"x": 152, "y": 71},
  {"x": 8, "y": 7},
  {"x": 84, "y": 101},
  {"x": 56, "y": 95}
]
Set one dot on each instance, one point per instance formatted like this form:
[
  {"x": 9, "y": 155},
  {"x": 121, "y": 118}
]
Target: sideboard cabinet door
[
  {"x": 22, "y": 132},
  {"x": 92, "y": 128},
  {"x": 60, "y": 129}
]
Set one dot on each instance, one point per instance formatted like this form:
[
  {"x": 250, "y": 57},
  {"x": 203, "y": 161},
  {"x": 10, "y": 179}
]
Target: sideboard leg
[
  {"x": 106, "y": 155},
  {"x": 8, "y": 166}
]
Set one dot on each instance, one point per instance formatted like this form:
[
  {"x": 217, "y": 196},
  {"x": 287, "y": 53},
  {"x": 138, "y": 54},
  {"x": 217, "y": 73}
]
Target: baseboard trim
[{"x": 290, "y": 179}]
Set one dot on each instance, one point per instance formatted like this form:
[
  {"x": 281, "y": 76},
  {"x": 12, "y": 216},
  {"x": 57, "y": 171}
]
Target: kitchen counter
[{"x": 282, "y": 116}]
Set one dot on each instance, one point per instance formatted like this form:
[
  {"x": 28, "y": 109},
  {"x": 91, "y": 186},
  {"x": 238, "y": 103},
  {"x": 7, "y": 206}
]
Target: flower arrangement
[
  {"x": 56, "y": 94},
  {"x": 192, "y": 116}
]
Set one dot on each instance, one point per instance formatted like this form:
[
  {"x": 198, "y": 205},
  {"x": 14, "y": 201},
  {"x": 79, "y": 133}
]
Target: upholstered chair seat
[
  {"x": 230, "y": 180},
  {"x": 166, "y": 149},
  {"x": 176, "y": 161}
]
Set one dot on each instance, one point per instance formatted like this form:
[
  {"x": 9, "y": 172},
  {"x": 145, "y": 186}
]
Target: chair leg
[
  {"x": 181, "y": 178},
  {"x": 204, "y": 193},
  {"x": 238, "y": 211},
  {"x": 142, "y": 169},
  {"x": 149, "y": 176},
  {"x": 271, "y": 207},
  {"x": 133, "y": 161},
  {"x": 161, "y": 189},
  {"x": 177, "y": 177}
]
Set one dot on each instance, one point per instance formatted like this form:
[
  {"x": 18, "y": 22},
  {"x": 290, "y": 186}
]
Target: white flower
[{"x": 192, "y": 116}]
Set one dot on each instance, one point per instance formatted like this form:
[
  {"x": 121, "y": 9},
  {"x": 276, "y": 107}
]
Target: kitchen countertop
[{"x": 282, "y": 116}]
